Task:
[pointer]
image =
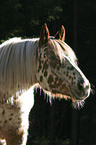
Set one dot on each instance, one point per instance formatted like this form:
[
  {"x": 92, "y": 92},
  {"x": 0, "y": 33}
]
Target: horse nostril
[
  {"x": 80, "y": 85},
  {"x": 87, "y": 87}
]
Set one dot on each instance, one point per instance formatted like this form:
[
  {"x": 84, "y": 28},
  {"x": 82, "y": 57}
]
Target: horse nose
[{"x": 84, "y": 87}]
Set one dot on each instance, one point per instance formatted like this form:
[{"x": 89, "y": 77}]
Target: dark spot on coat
[
  {"x": 68, "y": 67},
  {"x": 11, "y": 114},
  {"x": 74, "y": 78},
  {"x": 45, "y": 73},
  {"x": 73, "y": 73},
  {"x": 41, "y": 78},
  {"x": 3, "y": 112},
  {"x": 63, "y": 86},
  {"x": 44, "y": 55},
  {"x": 19, "y": 118},
  {"x": 71, "y": 68},
  {"x": 50, "y": 79},
  {"x": 10, "y": 119},
  {"x": 38, "y": 70},
  {"x": 5, "y": 121},
  {"x": 45, "y": 48},
  {"x": 69, "y": 77},
  {"x": 58, "y": 68},
  {"x": 45, "y": 66},
  {"x": 46, "y": 89},
  {"x": 53, "y": 65},
  {"x": 51, "y": 86},
  {"x": 56, "y": 79},
  {"x": 67, "y": 73},
  {"x": 40, "y": 66},
  {"x": 60, "y": 82}
]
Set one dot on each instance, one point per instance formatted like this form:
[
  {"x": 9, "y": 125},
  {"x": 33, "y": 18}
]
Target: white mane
[{"x": 17, "y": 64}]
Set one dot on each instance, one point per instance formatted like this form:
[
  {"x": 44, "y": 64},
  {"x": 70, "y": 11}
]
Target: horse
[{"x": 47, "y": 62}]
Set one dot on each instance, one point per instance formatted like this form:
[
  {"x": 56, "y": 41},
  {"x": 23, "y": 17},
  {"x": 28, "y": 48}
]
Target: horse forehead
[
  {"x": 56, "y": 48},
  {"x": 63, "y": 48}
]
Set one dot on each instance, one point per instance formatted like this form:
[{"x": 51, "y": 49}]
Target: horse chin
[
  {"x": 77, "y": 99},
  {"x": 77, "y": 96}
]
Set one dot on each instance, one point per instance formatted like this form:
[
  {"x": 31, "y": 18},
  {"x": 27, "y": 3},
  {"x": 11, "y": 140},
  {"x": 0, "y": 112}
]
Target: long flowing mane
[{"x": 17, "y": 64}]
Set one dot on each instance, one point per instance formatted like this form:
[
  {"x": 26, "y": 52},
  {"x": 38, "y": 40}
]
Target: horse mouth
[{"x": 79, "y": 96}]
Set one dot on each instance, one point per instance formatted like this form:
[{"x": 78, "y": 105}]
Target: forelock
[{"x": 61, "y": 48}]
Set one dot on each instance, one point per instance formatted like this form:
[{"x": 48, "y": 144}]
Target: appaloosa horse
[{"x": 46, "y": 61}]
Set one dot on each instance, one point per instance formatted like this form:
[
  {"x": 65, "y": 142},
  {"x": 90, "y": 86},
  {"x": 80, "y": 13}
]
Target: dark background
[{"x": 59, "y": 123}]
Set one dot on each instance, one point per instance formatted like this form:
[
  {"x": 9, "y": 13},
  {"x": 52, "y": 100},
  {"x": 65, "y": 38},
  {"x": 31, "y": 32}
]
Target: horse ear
[
  {"x": 62, "y": 31},
  {"x": 61, "y": 34},
  {"x": 44, "y": 35}
]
